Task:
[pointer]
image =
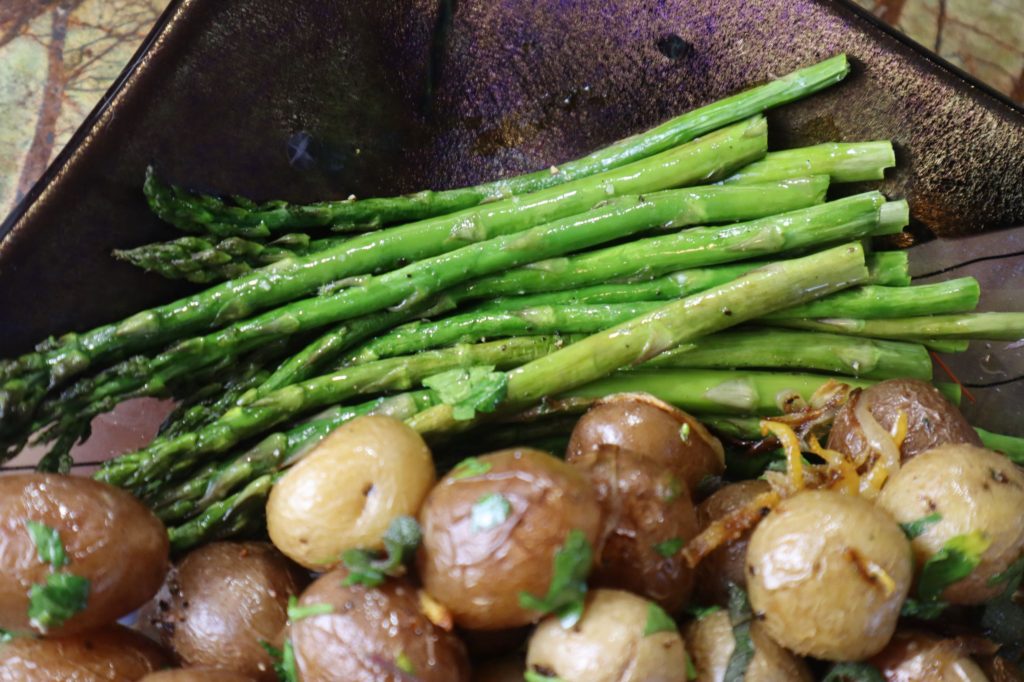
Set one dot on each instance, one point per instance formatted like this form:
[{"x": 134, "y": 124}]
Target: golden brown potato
[
  {"x": 109, "y": 653},
  {"x": 711, "y": 643},
  {"x": 972, "y": 490},
  {"x": 646, "y": 425},
  {"x": 829, "y": 572},
  {"x": 372, "y": 635},
  {"x": 111, "y": 540},
  {"x": 931, "y": 419},
  {"x": 921, "y": 657},
  {"x": 608, "y": 644},
  {"x": 197, "y": 675},
  {"x": 491, "y": 529},
  {"x": 222, "y": 600},
  {"x": 647, "y": 523},
  {"x": 345, "y": 493},
  {"x": 727, "y": 564}
]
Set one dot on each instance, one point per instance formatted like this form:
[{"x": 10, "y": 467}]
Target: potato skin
[
  {"x": 646, "y": 425},
  {"x": 921, "y": 657},
  {"x": 972, "y": 489},
  {"x": 931, "y": 419},
  {"x": 727, "y": 564},
  {"x": 345, "y": 493},
  {"x": 710, "y": 642},
  {"x": 478, "y": 573},
  {"x": 111, "y": 539},
  {"x": 641, "y": 510},
  {"x": 608, "y": 644},
  {"x": 810, "y": 567},
  {"x": 369, "y": 630},
  {"x": 221, "y": 600},
  {"x": 109, "y": 653},
  {"x": 197, "y": 675}
]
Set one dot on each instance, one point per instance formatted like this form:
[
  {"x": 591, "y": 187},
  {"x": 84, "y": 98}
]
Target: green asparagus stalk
[
  {"x": 226, "y": 518},
  {"x": 1011, "y": 446},
  {"x": 842, "y": 161},
  {"x": 776, "y": 286},
  {"x": 889, "y": 268},
  {"x": 25, "y": 380},
  {"x": 198, "y": 213},
  {"x": 205, "y": 260},
  {"x": 966, "y": 326},
  {"x": 875, "y": 302}
]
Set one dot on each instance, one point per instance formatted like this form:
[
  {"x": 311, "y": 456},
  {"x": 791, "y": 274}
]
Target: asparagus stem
[
  {"x": 776, "y": 286},
  {"x": 1011, "y": 446},
  {"x": 874, "y": 302},
  {"x": 943, "y": 345},
  {"x": 208, "y": 214},
  {"x": 842, "y": 161},
  {"x": 969, "y": 326},
  {"x": 226, "y": 518},
  {"x": 889, "y": 268}
]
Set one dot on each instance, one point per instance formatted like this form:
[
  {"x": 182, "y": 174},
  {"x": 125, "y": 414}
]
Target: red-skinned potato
[
  {"x": 642, "y": 423},
  {"x": 372, "y": 634},
  {"x": 491, "y": 528},
  {"x": 921, "y": 657},
  {"x": 647, "y": 522},
  {"x": 111, "y": 539},
  {"x": 221, "y": 601},
  {"x": 197, "y": 675},
  {"x": 109, "y": 653}
]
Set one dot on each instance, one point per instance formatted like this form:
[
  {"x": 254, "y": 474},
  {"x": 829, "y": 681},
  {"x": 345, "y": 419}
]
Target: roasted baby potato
[
  {"x": 921, "y": 657},
  {"x": 110, "y": 540},
  {"x": 491, "y": 528},
  {"x": 372, "y": 634},
  {"x": 829, "y": 572},
  {"x": 221, "y": 601},
  {"x": 711, "y": 643},
  {"x": 642, "y": 423},
  {"x": 345, "y": 493},
  {"x": 197, "y": 675}
]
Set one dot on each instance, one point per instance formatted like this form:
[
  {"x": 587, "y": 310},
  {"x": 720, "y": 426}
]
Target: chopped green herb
[
  {"x": 740, "y": 616},
  {"x": 63, "y": 595},
  {"x": 684, "y": 432},
  {"x": 853, "y": 672},
  {"x": 48, "y": 544},
  {"x": 401, "y": 539},
  {"x": 658, "y": 621},
  {"x": 1012, "y": 576},
  {"x": 672, "y": 489},
  {"x": 404, "y": 663},
  {"x": 702, "y": 612},
  {"x": 669, "y": 547},
  {"x": 297, "y": 612},
  {"x": 925, "y": 610},
  {"x": 283, "y": 660},
  {"x": 489, "y": 511},
  {"x": 691, "y": 669},
  {"x": 534, "y": 676},
  {"x": 914, "y": 529},
  {"x": 955, "y": 561},
  {"x": 468, "y": 391},
  {"x": 568, "y": 586},
  {"x": 470, "y": 467}
]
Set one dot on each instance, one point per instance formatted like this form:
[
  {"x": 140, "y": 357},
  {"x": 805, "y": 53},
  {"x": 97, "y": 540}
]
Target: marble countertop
[{"x": 58, "y": 57}]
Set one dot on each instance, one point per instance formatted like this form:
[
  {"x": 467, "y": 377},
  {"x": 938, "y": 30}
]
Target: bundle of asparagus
[{"x": 485, "y": 301}]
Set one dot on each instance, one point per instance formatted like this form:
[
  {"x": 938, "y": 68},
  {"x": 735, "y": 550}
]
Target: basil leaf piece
[
  {"x": 853, "y": 672},
  {"x": 740, "y": 616},
  {"x": 489, "y": 511},
  {"x": 468, "y": 391},
  {"x": 298, "y": 611},
  {"x": 914, "y": 529},
  {"x": 669, "y": 547},
  {"x": 48, "y": 544},
  {"x": 365, "y": 567},
  {"x": 955, "y": 561},
  {"x": 658, "y": 621},
  {"x": 61, "y": 597},
  {"x": 469, "y": 467},
  {"x": 568, "y": 588}
]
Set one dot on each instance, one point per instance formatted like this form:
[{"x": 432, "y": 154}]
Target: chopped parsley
[
  {"x": 283, "y": 660},
  {"x": 669, "y": 547},
  {"x": 61, "y": 597},
  {"x": 535, "y": 676},
  {"x": 684, "y": 432},
  {"x": 702, "y": 612},
  {"x": 658, "y": 621},
  {"x": 490, "y": 511},
  {"x": 468, "y": 391},
  {"x": 568, "y": 587},
  {"x": 48, "y": 544},
  {"x": 853, "y": 672},
  {"x": 916, "y": 528},
  {"x": 469, "y": 467},
  {"x": 691, "y": 669},
  {"x": 297, "y": 611},
  {"x": 401, "y": 539},
  {"x": 740, "y": 616},
  {"x": 955, "y": 561},
  {"x": 404, "y": 663}
]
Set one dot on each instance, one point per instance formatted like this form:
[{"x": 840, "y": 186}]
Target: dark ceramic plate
[{"x": 304, "y": 99}]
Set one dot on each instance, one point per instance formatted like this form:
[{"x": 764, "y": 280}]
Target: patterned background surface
[{"x": 57, "y": 57}]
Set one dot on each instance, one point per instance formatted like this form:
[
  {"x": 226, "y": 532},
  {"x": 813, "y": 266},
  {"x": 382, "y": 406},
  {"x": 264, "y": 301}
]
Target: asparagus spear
[
  {"x": 25, "y": 380},
  {"x": 198, "y": 213},
  {"x": 779, "y": 285},
  {"x": 875, "y": 302},
  {"x": 227, "y": 518},
  {"x": 976, "y": 326},
  {"x": 842, "y": 161}
]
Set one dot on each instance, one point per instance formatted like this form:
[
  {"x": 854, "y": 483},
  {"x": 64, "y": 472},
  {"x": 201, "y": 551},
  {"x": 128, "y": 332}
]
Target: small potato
[
  {"x": 710, "y": 642},
  {"x": 345, "y": 493},
  {"x": 727, "y": 564},
  {"x": 972, "y": 490},
  {"x": 642, "y": 423},
  {"x": 921, "y": 657},
  {"x": 197, "y": 675},
  {"x": 931, "y": 419},
  {"x": 647, "y": 522},
  {"x": 372, "y": 635},
  {"x": 221, "y": 601},
  {"x": 111, "y": 539},
  {"x": 829, "y": 573},
  {"x": 109, "y": 653},
  {"x": 492, "y": 530},
  {"x": 608, "y": 644}
]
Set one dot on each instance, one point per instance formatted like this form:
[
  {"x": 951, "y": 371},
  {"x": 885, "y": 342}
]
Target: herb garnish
[
  {"x": 914, "y": 529},
  {"x": 298, "y": 611},
  {"x": 853, "y": 672},
  {"x": 740, "y": 616},
  {"x": 62, "y": 596},
  {"x": 468, "y": 391},
  {"x": 469, "y": 467},
  {"x": 568, "y": 586},
  {"x": 401, "y": 539},
  {"x": 658, "y": 621},
  {"x": 489, "y": 511},
  {"x": 48, "y": 544},
  {"x": 669, "y": 547}
]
